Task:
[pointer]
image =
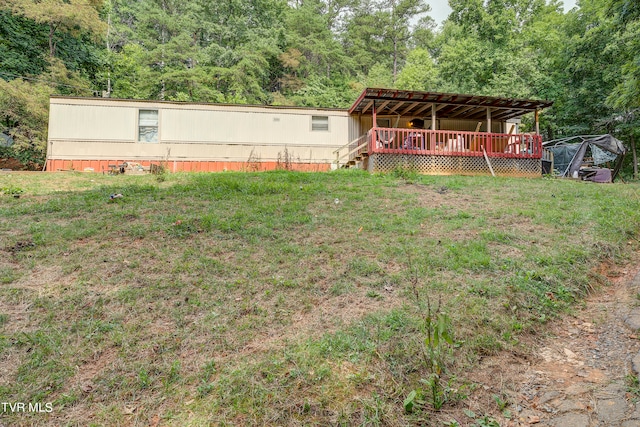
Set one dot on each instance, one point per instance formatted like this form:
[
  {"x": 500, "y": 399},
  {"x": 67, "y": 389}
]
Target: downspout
[{"x": 46, "y": 159}]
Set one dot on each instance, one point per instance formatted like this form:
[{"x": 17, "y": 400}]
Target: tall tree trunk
[
  {"x": 109, "y": 51},
  {"x": 163, "y": 37},
  {"x": 395, "y": 59},
  {"x": 52, "y": 48}
]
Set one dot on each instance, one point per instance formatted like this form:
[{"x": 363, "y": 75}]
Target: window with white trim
[
  {"x": 147, "y": 125},
  {"x": 320, "y": 123}
]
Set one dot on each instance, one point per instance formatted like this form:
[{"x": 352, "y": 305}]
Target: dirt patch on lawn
[
  {"x": 87, "y": 372},
  {"x": 573, "y": 361}
]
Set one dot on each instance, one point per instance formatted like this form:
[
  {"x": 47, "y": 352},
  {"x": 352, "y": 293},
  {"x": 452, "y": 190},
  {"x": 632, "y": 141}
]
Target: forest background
[{"x": 320, "y": 53}]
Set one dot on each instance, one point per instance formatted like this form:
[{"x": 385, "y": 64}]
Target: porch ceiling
[{"x": 448, "y": 105}]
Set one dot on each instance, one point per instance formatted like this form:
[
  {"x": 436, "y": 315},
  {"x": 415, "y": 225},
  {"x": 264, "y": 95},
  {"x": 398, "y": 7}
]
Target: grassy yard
[{"x": 286, "y": 298}]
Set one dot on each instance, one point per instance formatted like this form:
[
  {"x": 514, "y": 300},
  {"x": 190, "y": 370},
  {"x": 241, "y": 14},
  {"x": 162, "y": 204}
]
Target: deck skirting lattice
[{"x": 454, "y": 165}]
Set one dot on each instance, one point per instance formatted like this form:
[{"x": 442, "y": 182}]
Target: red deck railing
[{"x": 453, "y": 143}]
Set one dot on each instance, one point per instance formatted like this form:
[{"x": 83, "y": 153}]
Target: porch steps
[{"x": 358, "y": 158}]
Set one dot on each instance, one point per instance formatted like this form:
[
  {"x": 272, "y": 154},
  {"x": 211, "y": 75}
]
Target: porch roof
[{"x": 448, "y": 105}]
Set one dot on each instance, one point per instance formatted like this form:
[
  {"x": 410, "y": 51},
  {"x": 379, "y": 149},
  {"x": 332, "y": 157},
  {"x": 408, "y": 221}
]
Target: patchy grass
[{"x": 281, "y": 298}]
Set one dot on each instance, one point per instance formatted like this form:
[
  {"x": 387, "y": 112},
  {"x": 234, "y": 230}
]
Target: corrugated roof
[{"x": 448, "y": 105}]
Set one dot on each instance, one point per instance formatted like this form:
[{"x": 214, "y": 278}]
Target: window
[
  {"x": 148, "y": 126},
  {"x": 384, "y": 123},
  {"x": 319, "y": 123}
]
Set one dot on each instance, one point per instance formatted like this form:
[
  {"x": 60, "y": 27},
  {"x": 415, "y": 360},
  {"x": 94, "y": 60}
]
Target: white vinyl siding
[{"x": 192, "y": 132}]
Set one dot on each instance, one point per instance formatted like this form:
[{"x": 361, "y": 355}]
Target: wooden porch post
[
  {"x": 489, "y": 120},
  {"x": 374, "y": 115},
  {"x": 537, "y": 122},
  {"x": 433, "y": 116},
  {"x": 374, "y": 125}
]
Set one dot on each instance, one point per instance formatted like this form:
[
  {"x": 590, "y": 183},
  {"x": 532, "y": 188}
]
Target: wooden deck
[
  {"x": 444, "y": 152},
  {"x": 453, "y": 143}
]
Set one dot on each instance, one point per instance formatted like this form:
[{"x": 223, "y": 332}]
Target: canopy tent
[{"x": 569, "y": 153}]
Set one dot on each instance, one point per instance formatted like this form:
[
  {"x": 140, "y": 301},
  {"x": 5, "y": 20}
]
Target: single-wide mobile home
[
  {"x": 384, "y": 129},
  {"x": 98, "y": 132}
]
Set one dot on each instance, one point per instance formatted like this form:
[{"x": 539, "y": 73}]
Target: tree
[
  {"x": 22, "y": 42},
  {"x": 379, "y": 76},
  {"x": 464, "y": 62},
  {"x": 625, "y": 97},
  {"x": 590, "y": 70},
  {"x": 127, "y": 71},
  {"x": 73, "y": 16},
  {"x": 47, "y": 47},
  {"x": 319, "y": 91},
  {"x": 500, "y": 46},
  {"x": 313, "y": 63},
  {"x": 419, "y": 72},
  {"x": 198, "y": 50},
  {"x": 308, "y": 31},
  {"x": 626, "y": 21},
  {"x": 398, "y": 15},
  {"x": 168, "y": 30},
  {"x": 24, "y": 108},
  {"x": 424, "y": 34},
  {"x": 381, "y": 32}
]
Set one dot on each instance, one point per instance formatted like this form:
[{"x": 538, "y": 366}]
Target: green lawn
[{"x": 285, "y": 298}]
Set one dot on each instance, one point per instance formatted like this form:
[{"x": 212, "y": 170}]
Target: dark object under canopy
[{"x": 569, "y": 154}]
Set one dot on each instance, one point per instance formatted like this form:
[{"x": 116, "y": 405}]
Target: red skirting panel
[{"x": 184, "y": 166}]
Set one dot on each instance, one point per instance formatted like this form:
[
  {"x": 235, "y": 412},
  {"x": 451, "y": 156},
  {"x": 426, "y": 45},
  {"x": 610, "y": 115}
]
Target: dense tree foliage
[{"x": 321, "y": 53}]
